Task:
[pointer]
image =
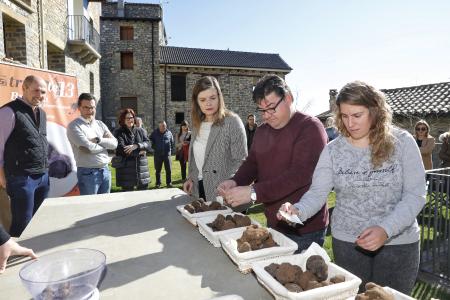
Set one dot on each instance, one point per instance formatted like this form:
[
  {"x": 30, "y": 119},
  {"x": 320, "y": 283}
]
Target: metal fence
[
  {"x": 435, "y": 228},
  {"x": 81, "y": 29}
]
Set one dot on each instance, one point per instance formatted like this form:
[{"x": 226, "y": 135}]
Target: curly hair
[{"x": 380, "y": 137}]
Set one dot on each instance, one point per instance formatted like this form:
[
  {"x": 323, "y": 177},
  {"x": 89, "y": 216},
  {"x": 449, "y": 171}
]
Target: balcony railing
[{"x": 80, "y": 29}]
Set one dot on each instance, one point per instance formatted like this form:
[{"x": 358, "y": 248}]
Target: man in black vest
[{"x": 23, "y": 153}]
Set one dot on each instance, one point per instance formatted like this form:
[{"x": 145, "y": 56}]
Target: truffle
[
  {"x": 375, "y": 292},
  {"x": 272, "y": 269},
  {"x": 189, "y": 208},
  {"x": 293, "y": 287},
  {"x": 244, "y": 247},
  {"x": 215, "y": 205},
  {"x": 304, "y": 278},
  {"x": 312, "y": 285},
  {"x": 337, "y": 279},
  {"x": 242, "y": 221},
  {"x": 318, "y": 266},
  {"x": 255, "y": 236},
  {"x": 285, "y": 273},
  {"x": 228, "y": 225}
]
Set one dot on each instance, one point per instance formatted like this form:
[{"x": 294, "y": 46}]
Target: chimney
[
  {"x": 120, "y": 8},
  {"x": 333, "y": 94}
]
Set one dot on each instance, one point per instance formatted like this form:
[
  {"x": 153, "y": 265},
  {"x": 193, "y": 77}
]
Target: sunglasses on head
[{"x": 421, "y": 129}]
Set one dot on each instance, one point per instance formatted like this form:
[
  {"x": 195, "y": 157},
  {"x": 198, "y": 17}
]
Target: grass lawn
[{"x": 421, "y": 290}]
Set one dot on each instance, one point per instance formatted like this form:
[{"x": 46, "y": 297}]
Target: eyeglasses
[
  {"x": 421, "y": 129},
  {"x": 271, "y": 110},
  {"x": 129, "y": 118}
]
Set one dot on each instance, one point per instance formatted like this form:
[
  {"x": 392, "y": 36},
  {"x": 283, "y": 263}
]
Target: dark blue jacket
[{"x": 162, "y": 143}]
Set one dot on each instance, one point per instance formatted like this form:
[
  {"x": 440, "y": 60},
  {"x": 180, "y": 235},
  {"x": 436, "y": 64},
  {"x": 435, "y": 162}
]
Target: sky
[{"x": 327, "y": 43}]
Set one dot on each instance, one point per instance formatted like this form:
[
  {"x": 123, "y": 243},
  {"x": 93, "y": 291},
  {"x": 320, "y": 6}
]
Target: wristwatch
[
  {"x": 97, "y": 140},
  {"x": 253, "y": 194}
]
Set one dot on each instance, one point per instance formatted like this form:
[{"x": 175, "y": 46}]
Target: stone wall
[
  {"x": 236, "y": 85},
  {"x": 138, "y": 82},
  {"x": 142, "y": 82},
  {"x": 133, "y": 10}
]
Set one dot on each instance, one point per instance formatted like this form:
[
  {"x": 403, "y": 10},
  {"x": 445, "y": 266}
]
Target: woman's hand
[
  {"x": 187, "y": 186},
  {"x": 372, "y": 238},
  {"x": 290, "y": 209},
  {"x": 130, "y": 148}
]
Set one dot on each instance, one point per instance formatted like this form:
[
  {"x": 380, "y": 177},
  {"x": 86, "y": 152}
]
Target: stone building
[
  {"x": 58, "y": 35},
  {"x": 140, "y": 71}
]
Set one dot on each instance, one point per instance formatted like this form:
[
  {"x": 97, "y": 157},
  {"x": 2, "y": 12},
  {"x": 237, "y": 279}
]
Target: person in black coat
[{"x": 132, "y": 147}]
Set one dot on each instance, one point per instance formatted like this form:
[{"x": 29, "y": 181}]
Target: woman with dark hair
[
  {"x": 218, "y": 145},
  {"x": 132, "y": 147},
  {"x": 425, "y": 142},
  {"x": 182, "y": 145},
  {"x": 379, "y": 179}
]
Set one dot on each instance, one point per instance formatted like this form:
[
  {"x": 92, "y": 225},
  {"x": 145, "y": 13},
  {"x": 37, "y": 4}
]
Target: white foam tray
[
  {"x": 192, "y": 218},
  {"x": 338, "y": 291},
  {"x": 244, "y": 260},
  {"x": 213, "y": 236}
]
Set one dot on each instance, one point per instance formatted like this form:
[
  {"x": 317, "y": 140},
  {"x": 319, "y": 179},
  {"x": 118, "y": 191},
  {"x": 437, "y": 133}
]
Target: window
[
  {"x": 129, "y": 102},
  {"x": 179, "y": 117},
  {"x": 126, "y": 60},
  {"x": 126, "y": 33},
  {"x": 178, "y": 87}
]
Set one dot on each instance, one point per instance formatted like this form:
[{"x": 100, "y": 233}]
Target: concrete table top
[{"x": 152, "y": 251}]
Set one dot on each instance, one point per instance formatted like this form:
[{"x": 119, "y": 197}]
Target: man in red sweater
[{"x": 281, "y": 162}]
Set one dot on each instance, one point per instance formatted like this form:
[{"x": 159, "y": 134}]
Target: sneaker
[
  {"x": 169, "y": 186},
  {"x": 157, "y": 186}
]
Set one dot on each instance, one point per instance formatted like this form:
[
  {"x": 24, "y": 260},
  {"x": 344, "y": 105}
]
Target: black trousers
[
  {"x": 201, "y": 190},
  {"x": 159, "y": 161}
]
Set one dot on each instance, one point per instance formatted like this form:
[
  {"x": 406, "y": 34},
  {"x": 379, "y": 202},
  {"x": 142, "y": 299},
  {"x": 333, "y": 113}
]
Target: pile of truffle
[
  {"x": 200, "y": 205},
  {"x": 230, "y": 221},
  {"x": 255, "y": 238},
  {"x": 374, "y": 292},
  {"x": 293, "y": 278}
]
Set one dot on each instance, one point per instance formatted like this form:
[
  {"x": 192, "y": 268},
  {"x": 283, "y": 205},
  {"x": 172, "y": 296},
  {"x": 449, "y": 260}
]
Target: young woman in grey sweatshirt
[{"x": 379, "y": 179}]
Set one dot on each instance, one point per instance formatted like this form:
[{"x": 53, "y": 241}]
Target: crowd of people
[{"x": 289, "y": 162}]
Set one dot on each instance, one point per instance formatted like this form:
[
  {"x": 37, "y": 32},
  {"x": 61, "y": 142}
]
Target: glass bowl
[{"x": 66, "y": 274}]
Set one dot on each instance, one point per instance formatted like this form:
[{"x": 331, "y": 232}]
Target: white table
[{"x": 152, "y": 251}]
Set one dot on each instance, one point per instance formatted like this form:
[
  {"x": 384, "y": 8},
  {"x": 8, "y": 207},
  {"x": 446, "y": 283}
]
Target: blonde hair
[
  {"x": 380, "y": 136},
  {"x": 422, "y": 122},
  {"x": 197, "y": 115}
]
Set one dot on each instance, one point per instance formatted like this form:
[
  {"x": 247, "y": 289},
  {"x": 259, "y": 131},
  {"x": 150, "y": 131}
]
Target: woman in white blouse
[{"x": 218, "y": 143}]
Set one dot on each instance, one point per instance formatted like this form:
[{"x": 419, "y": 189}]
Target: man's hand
[
  {"x": 2, "y": 178},
  {"x": 225, "y": 186},
  {"x": 129, "y": 149},
  {"x": 372, "y": 238},
  {"x": 187, "y": 186},
  {"x": 12, "y": 248},
  {"x": 238, "y": 195}
]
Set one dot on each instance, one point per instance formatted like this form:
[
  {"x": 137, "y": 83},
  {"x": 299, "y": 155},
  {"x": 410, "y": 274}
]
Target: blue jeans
[
  {"x": 26, "y": 193},
  {"x": 305, "y": 240},
  {"x": 93, "y": 181}
]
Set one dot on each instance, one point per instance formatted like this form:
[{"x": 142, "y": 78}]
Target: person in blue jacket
[{"x": 162, "y": 144}]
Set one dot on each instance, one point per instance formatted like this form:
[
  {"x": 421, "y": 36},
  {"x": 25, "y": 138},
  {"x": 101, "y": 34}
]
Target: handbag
[
  {"x": 118, "y": 162},
  {"x": 179, "y": 154}
]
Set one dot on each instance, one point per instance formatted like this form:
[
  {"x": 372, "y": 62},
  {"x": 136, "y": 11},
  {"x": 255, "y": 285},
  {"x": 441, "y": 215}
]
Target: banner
[{"x": 60, "y": 105}]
